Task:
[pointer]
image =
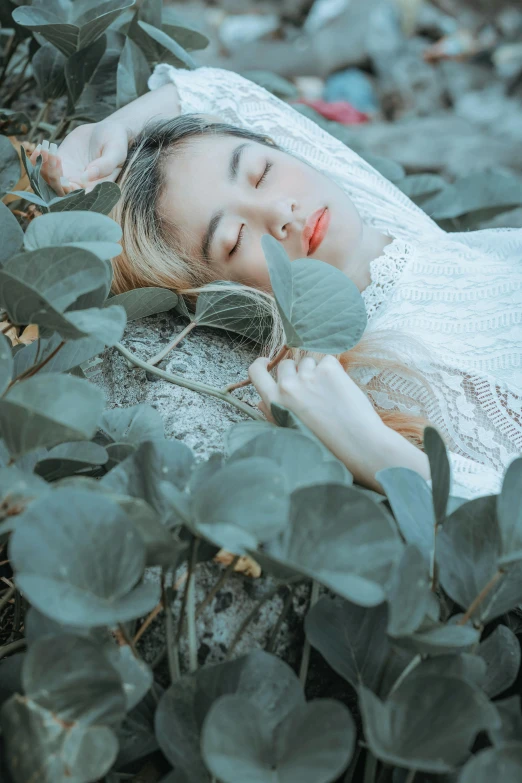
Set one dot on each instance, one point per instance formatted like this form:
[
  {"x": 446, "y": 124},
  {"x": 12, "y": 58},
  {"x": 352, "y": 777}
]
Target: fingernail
[
  {"x": 38, "y": 148},
  {"x": 45, "y": 145},
  {"x": 53, "y": 149}
]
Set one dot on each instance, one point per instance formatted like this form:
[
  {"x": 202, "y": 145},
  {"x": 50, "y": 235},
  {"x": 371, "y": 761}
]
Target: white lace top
[{"x": 460, "y": 294}]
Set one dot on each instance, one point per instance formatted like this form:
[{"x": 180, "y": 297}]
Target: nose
[{"x": 281, "y": 218}]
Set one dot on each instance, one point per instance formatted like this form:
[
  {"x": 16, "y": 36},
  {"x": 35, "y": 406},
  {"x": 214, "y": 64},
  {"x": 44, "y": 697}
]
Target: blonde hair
[{"x": 155, "y": 254}]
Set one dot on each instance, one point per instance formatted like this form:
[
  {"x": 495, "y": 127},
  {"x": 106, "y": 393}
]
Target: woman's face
[{"x": 227, "y": 192}]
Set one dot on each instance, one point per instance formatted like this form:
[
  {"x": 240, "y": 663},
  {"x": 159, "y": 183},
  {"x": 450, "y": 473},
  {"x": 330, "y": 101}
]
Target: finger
[
  {"x": 262, "y": 380},
  {"x": 103, "y": 166},
  {"x": 91, "y": 185},
  {"x": 265, "y": 410},
  {"x": 286, "y": 370},
  {"x": 330, "y": 364},
  {"x": 307, "y": 366}
]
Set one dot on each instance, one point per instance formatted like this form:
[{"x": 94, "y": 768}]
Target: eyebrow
[{"x": 215, "y": 220}]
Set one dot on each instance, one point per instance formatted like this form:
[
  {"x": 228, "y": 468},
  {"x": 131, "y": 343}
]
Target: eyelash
[{"x": 240, "y": 237}]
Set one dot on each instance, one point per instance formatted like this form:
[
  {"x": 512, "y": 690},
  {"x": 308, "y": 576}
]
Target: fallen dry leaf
[
  {"x": 17, "y": 337},
  {"x": 245, "y": 565}
]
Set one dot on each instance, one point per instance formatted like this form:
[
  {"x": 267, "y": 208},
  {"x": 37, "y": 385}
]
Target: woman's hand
[
  {"x": 88, "y": 155},
  {"x": 331, "y": 404}
]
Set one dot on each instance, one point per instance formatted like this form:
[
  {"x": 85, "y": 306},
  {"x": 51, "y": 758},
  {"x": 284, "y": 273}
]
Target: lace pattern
[{"x": 459, "y": 294}]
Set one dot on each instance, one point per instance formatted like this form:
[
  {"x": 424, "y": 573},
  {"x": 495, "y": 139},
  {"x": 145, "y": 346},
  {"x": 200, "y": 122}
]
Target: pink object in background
[{"x": 338, "y": 111}]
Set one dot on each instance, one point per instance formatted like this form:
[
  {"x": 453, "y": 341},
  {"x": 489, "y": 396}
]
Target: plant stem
[
  {"x": 402, "y": 676},
  {"x": 148, "y": 620},
  {"x": 13, "y": 647},
  {"x": 411, "y": 776},
  {"x": 36, "y": 367},
  {"x": 305, "y": 660},
  {"x": 7, "y": 328},
  {"x": 270, "y": 366},
  {"x": 480, "y": 597},
  {"x": 7, "y": 597},
  {"x": 161, "y": 355},
  {"x": 128, "y": 639},
  {"x": 202, "y": 388},
  {"x": 39, "y": 117},
  {"x": 248, "y": 619},
  {"x": 370, "y": 767},
  {"x": 172, "y": 646},
  {"x": 275, "y": 633},
  {"x": 10, "y": 50},
  {"x": 191, "y": 610}
]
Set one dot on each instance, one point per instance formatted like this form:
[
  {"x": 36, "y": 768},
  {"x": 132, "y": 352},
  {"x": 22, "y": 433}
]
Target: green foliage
[{"x": 421, "y": 589}]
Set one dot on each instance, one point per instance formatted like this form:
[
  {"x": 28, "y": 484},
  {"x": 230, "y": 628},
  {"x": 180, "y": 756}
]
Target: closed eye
[{"x": 240, "y": 236}]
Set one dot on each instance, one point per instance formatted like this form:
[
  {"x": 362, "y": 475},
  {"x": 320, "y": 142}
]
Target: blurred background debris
[{"x": 435, "y": 85}]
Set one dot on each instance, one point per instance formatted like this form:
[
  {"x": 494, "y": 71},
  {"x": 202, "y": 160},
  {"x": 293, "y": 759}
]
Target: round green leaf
[
  {"x": 102, "y": 198},
  {"x": 476, "y": 192},
  {"x": 77, "y": 560},
  {"x": 136, "y": 677},
  {"x": 503, "y": 764},
  {"x": 408, "y": 606},
  {"x": 42, "y": 20},
  {"x": 81, "y": 66},
  {"x": 70, "y": 229},
  {"x": 351, "y": 638},
  {"x": 411, "y": 501},
  {"x": 93, "y": 19},
  {"x": 11, "y": 232},
  {"x": 70, "y": 355},
  {"x": 142, "y": 302},
  {"x": 6, "y": 363},
  {"x": 48, "y": 66},
  {"x": 133, "y": 424},
  {"x": 18, "y": 488},
  {"x": 9, "y": 165},
  {"x": 43, "y": 411},
  {"x": 242, "y": 504},
  {"x": 168, "y": 50},
  {"x": 269, "y": 684},
  {"x": 321, "y": 308},
  {"x": 234, "y": 311},
  {"x": 40, "y": 746},
  {"x": 510, "y": 716},
  {"x": 501, "y": 652},
  {"x": 428, "y": 723},
  {"x": 341, "y": 538},
  {"x": 71, "y": 676},
  {"x": 509, "y": 514},
  {"x": 132, "y": 74},
  {"x": 69, "y": 458},
  {"x": 299, "y": 458},
  {"x": 440, "y": 471},
  {"x": 313, "y": 744}
]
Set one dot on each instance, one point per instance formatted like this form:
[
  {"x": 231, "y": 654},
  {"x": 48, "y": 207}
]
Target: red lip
[{"x": 315, "y": 229}]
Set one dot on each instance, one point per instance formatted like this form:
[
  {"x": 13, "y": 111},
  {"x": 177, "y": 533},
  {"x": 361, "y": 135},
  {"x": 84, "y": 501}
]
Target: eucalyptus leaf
[
  {"x": 133, "y": 425},
  {"x": 6, "y": 363},
  {"x": 40, "y": 746},
  {"x": 509, "y": 514},
  {"x": 48, "y": 66},
  {"x": 440, "y": 472},
  {"x": 12, "y": 234},
  {"x": 474, "y": 192},
  {"x": 409, "y": 593},
  {"x": 134, "y": 674},
  {"x": 419, "y": 187},
  {"x": 142, "y": 302},
  {"x": 351, "y": 638},
  {"x": 136, "y": 734},
  {"x": 168, "y": 51},
  {"x": 502, "y": 763},
  {"x": 60, "y": 34},
  {"x": 268, "y": 683},
  {"x": 299, "y": 458},
  {"x": 510, "y": 716},
  {"x": 341, "y": 538},
  {"x": 80, "y": 68},
  {"x": 43, "y": 411},
  {"x": 147, "y": 473},
  {"x": 102, "y": 323},
  {"x": 313, "y": 744},
  {"x": 69, "y": 458},
  {"x": 232, "y": 310},
  {"x": 428, "y": 723},
  {"x": 102, "y": 198},
  {"x": 70, "y": 355},
  {"x": 132, "y": 74},
  {"x": 18, "y": 488},
  {"x": 411, "y": 501},
  {"x": 439, "y": 639},
  {"x": 186, "y": 36},
  {"x": 321, "y": 308},
  {"x": 9, "y": 165},
  {"x": 501, "y": 652},
  {"x": 242, "y": 504},
  {"x": 55, "y": 673},
  {"x": 56, "y": 229},
  {"x": 78, "y": 561}
]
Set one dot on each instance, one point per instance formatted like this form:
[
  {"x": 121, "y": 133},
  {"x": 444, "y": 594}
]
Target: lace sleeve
[
  {"x": 470, "y": 479},
  {"x": 245, "y": 104}
]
